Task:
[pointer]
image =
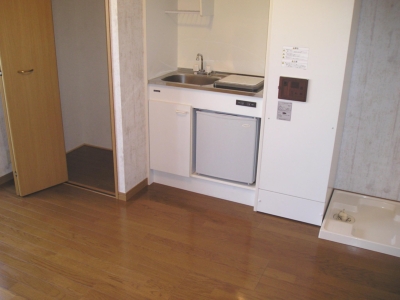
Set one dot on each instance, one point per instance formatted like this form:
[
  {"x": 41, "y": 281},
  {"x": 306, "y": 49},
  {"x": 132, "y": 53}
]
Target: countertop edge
[{"x": 209, "y": 87}]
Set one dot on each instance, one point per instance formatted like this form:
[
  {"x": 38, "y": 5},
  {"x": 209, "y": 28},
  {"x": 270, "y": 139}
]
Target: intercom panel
[{"x": 293, "y": 89}]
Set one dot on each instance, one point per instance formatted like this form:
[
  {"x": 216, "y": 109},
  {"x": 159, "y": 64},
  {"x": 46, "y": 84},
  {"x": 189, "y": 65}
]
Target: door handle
[
  {"x": 25, "y": 72},
  {"x": 181, "y": 112}
]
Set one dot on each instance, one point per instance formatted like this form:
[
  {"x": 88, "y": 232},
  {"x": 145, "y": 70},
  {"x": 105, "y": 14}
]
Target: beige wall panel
[
  {"x": 80, "y": 33},
  {"x": 370, "y": 153},
  {"x": 161, "y": 33},
  {"x": 233, "y": 40}
]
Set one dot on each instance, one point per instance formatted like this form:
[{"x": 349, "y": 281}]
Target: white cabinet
[
  {"x": 170, "y": 137},
  {"x": 299, "y": 156}
]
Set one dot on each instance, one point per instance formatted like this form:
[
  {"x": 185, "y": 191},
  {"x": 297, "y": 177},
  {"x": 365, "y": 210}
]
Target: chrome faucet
[{"x": 201, "y": 71}]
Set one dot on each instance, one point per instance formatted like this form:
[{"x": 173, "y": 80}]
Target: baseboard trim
[
  {"x": 6, "y": 178},
  {"x": 133, "y": 191},
  {"x": 89, "y": 190},
  {"x": 88, "y": 187}
]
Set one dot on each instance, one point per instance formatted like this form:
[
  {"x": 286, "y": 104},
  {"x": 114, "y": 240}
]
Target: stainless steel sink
[{"x": 191, "y": 79}]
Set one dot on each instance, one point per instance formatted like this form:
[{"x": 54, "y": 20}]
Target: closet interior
[{"x": 80, "y": 30}]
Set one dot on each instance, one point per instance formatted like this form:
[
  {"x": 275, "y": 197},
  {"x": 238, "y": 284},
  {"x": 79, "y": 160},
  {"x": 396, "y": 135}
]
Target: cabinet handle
[
  {"x": 25, "y": 72},
  {"x": 181, "y": 112}
]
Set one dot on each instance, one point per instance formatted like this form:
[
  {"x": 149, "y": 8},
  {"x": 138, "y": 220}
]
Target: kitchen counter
[
  {"x": 209, "y": 87},
  {"x": 172, "y": 116}
]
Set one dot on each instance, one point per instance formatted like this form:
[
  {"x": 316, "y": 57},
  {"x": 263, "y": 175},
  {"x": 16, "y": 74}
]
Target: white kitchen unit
[
  {"x": 312, "y": 40},
  {"x": 172, "y": 140}
]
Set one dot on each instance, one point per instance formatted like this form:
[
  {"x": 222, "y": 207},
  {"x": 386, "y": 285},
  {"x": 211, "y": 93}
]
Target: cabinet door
[
  {"x": 31, "y": 94},
  {"x": 170, "y": 138}
]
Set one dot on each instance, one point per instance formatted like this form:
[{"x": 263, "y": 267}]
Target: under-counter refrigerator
[{"x": 226, "y": 146}]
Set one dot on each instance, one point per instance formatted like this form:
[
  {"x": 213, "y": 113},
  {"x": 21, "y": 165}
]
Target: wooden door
[{"x": 31, "y": 94}]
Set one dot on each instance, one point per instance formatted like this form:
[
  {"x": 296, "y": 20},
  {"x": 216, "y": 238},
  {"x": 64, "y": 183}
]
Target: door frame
[
  {"x": 9, "y": 139},
  {"x": 111, "y": 98},
  {"x": 111, "y": 93}
]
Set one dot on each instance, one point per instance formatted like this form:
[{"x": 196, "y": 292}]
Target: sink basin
[{"x": 191, "y": 79}]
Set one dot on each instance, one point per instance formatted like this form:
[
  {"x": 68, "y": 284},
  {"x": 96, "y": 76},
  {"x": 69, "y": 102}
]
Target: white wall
[
  {"x": 161, "y": 37},
  {"x": 80, "y": 35},
  {"x": 370, "y": 152},
  {"x": 5, "y": 162},
  {"x": 233, "y": 40}
]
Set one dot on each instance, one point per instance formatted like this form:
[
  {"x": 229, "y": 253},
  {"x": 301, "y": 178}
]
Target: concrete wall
[
  {"x": 127, "y": 34},
  {"x": 370, "y": 153}
]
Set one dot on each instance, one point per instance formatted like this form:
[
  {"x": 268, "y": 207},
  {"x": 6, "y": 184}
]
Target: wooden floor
[
  {"x": 69, "y": 243},
  {"x": 93, "y": 168}
]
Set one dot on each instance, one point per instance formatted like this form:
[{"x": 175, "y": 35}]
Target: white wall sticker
[
  {"x": 295, "y": 57},
  {"x": 284, "y": 111}
]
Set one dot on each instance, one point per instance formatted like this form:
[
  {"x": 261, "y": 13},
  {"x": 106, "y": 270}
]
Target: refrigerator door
[{"x": 226, "y": 146}]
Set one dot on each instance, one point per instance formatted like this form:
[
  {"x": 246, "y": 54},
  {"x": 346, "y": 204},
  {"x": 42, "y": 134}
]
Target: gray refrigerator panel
[{"x": 226, "y": 146}]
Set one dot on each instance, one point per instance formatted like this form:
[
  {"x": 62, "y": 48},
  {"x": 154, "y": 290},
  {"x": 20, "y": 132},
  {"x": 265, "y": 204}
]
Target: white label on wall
[
  {"x": 295, "y": 57},
  {"x": 284, "y": 111}
]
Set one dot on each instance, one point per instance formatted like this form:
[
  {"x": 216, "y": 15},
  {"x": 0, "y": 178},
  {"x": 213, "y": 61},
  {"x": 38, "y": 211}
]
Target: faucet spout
[{"x": 201, "y": 65}]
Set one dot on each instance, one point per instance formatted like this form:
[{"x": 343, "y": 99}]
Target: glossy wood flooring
[
  {"x": 69, "y": 243},
  {"x": 92, "y": 168}
]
